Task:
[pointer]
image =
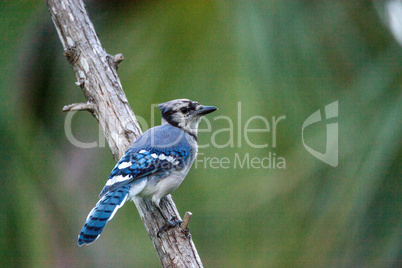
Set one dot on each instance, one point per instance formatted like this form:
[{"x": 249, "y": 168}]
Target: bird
[{"x": 153, "y": 167}]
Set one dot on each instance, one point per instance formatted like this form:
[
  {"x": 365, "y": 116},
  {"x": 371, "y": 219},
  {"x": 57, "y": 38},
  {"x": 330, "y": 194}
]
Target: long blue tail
[{"x": 101, "y": 214}]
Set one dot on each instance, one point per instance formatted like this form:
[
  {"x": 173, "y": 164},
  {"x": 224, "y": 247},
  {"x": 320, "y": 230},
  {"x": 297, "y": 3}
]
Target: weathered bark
[{"x": 96, "y": 74}]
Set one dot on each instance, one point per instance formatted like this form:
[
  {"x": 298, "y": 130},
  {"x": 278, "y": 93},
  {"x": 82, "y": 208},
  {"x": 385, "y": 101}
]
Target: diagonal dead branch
[{"x": 102, "y": 88}]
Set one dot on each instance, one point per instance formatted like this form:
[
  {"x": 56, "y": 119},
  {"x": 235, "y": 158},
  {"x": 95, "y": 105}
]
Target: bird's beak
[{"x": 203, "y": 110}]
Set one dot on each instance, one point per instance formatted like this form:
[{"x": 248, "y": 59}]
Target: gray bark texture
[{"x": 96, "y": 74}]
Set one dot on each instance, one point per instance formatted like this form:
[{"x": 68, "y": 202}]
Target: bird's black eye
[{"x": 184, "y": 110}]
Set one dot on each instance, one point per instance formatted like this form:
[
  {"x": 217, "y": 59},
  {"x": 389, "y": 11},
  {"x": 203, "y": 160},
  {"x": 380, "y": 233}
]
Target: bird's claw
[
  {"x": 173, "y": 222},
  {"x": 186, "y": 232}
]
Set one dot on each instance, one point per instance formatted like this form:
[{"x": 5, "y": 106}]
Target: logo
[
  {"x": 236, "y": 131},
  {"x": 331, "y": 150}
]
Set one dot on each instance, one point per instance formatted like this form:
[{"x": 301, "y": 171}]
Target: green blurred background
[{"x": 278, "y": 58}]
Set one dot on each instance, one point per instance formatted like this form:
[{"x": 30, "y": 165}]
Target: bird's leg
[
  {"x": 160, "y": 211},
  {"x": 173, "y": 222}
]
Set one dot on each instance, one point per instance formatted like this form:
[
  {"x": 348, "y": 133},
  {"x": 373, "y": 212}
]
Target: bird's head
[{"x": 184, "y": 114}]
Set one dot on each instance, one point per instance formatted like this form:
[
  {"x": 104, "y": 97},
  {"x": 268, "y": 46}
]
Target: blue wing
[{"x": 137, "y": 164}]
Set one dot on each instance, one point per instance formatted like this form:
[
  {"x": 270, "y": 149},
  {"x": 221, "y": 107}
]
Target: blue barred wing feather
[{"x": 139, "y": 164}]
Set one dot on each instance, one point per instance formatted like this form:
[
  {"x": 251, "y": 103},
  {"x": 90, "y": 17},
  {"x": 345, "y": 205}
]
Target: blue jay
[{"x": 154, "y": 166}]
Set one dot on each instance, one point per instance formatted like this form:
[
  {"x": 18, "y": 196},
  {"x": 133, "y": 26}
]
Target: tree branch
[
  {"x": 96, "y": 74},
  {"x": 79, "y": 107}
]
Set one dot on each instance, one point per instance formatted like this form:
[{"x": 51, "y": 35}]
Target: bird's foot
[
  {"x": 186, "y": 232},
  {"x": 173, "y": 222}
]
